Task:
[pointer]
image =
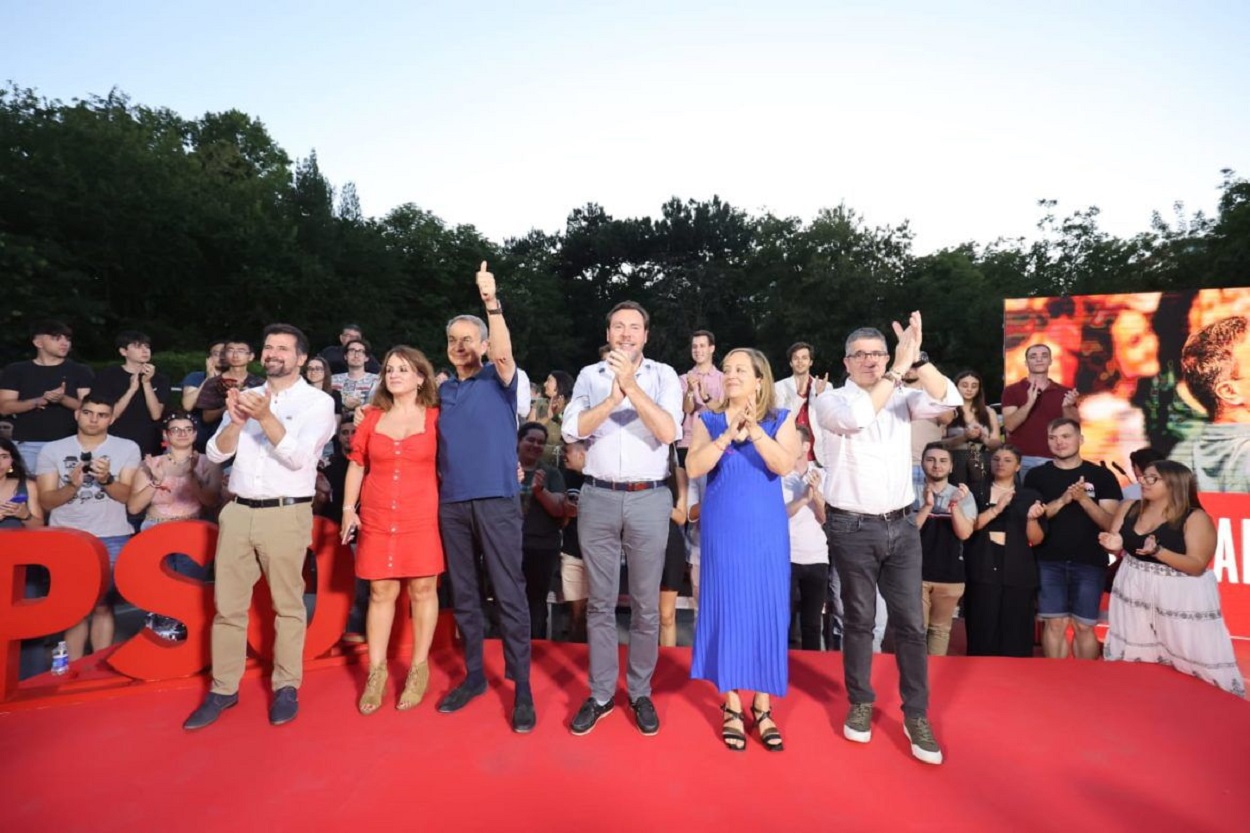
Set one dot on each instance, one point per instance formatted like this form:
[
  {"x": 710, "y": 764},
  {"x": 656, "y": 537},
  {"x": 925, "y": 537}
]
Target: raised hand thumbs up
[{"x": 486, "y": 285}]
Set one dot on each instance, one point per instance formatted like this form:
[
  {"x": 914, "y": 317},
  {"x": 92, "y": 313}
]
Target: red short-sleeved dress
[{"x": 398, "y": 502}]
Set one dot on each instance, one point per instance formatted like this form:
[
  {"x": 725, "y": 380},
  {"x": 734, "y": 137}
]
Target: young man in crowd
[
  {"x": 702, "y": 387},
  {"x": 334, "y": 353},
  {"x": 1081, "y": 501},
  {"x": 137, "y": 390},
  {"x": 42, "y": 396},
  {"x": 1031, "y": 404},
  {"x": 572, "y": 569},
  {"x": 945, "y": 515},
  {"x": 84, "y": 483},
  {"x": 356, "y": 384},
  {"x": 211, "y": 401}
]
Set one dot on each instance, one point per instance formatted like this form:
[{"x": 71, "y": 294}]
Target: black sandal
[
  {"x": 734, "y": 739},
  {"x": 771, "y": 738}
]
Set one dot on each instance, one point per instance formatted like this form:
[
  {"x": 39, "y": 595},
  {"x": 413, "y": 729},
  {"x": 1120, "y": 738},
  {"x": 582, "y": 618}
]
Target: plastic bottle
[{"x": 60, "y": 658}]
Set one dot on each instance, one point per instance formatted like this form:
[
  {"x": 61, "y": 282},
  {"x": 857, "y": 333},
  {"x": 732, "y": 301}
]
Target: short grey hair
[
  {"x": 863, "y": 333},
  {"x": 472, "y": 319}
]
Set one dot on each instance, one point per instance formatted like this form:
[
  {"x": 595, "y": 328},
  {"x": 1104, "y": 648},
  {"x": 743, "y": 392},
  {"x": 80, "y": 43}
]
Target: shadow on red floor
[{"x": 1030, "y": 745}]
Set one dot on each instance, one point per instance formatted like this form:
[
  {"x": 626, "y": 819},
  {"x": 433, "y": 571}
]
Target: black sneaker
[
  {"x": 644, "y": 715},
  {"x": 588, "y": 715},
  {"x": 523, "y": 717}
]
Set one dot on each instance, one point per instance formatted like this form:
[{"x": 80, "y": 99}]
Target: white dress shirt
[
  {"x": 524, "y": 397},
  {"x": 786, "y": 395},
  {"x": 623, "y": 449},
  {"x": 263, "y": 470},
  {"x": 869, "y": 454}
]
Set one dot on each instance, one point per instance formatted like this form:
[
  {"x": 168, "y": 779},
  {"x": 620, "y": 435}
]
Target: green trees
[{"x": 114, "y": 214}]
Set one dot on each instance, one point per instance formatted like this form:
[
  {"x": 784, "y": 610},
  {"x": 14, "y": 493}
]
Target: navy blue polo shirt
[{"x": 477, "y": 437}]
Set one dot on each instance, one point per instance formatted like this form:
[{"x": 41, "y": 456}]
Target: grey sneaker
[
  {"x": 858, "y": 725},
  {"x": 923, "y": 745}
]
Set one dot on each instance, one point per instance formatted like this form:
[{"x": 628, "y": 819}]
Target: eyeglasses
[
  {"x": 861, "y": 356},
  {"x": 353, "y": 350},
  {"x": 179, "y": 429},
  {"x": 1150, "y": 479}
]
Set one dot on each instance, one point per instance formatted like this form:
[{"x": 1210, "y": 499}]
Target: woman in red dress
[{"x": 393, "y": 455}]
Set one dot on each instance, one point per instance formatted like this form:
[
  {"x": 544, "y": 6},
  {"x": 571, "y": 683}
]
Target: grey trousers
[
  {"x": 608, "y": 524},
  {"x": 881, "y": 556}
]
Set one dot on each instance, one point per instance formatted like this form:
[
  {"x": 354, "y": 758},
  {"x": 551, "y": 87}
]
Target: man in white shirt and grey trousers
[
  {"x": 628, "y": 410},
  {"x": 868, "y": 490}
]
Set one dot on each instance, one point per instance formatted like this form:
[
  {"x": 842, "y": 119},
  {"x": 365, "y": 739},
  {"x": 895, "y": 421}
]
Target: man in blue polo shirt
[{"x": 479, "y": 504}]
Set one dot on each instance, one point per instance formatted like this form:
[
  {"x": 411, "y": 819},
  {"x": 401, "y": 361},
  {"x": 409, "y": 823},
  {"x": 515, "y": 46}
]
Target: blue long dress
[{"x": 744, "y": 599}]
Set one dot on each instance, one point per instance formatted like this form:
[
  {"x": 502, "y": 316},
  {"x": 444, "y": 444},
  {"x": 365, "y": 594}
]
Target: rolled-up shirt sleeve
[
  {"x": 923, "y": 406},
  {"x": 670, "y": 399},
  {"x": 578, "y": 402},
  {"x": 313, "y": 430},
  {"x": 845, "y": 410}
]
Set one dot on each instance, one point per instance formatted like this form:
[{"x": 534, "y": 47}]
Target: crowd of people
[{"x": 879, "y": 508}]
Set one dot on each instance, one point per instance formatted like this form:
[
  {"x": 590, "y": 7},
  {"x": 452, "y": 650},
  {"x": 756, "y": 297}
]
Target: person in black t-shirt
[
  {"x": 42, "y": 396},
  {"x": 1081, "y": 501},
  {"x": 138, "y": 392},
  {"x": 945, "y": 519},
  {"x": 572, "y": 570}
]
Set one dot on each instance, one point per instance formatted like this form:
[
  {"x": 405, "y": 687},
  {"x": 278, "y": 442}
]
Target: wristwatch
[
  {"x": 497, "y": 309},
  {"x": 921, "y": 360},
  {"x": 106, "y": 482}
]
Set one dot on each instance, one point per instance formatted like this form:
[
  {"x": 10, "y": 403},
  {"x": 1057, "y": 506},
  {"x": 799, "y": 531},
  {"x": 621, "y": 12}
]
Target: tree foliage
[{"x": 116, "y": 215}]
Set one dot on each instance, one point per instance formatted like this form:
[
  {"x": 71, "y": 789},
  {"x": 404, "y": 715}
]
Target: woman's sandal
[
  {"x": 735, "y": 739},
  {"x": 414, "y": 686},
  {"x": 771, "y": 737},
  {"x": 372, "y": 698}
]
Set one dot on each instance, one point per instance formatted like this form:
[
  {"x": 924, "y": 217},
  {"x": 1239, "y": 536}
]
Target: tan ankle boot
[
  {"x": 372, "y": 698},
  {"x": 414, "y": 686}
]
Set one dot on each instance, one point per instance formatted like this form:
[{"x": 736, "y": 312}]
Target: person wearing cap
[
  {"x": 629, "y": 410},
  {"x": 43, "y": 394}
]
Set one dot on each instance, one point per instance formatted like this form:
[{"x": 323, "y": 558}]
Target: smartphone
[
  {"x": 85, "y": 457},
  {"x": 18, "y": 499}
]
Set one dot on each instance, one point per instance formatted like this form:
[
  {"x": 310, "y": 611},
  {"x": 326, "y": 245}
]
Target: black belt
[
  {"x": 632, "y": 486},
  {"x": 881, "y": 516},
  {"x": 271, "y": 502}
]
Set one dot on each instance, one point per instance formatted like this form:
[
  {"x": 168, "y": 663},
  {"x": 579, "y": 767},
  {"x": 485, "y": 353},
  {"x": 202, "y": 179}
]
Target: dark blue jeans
[{"x": 873, "y": 554}]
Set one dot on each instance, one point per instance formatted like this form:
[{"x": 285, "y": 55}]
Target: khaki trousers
[
  {"x": 250, "y": 543},
  {"x": 938, "y": 601}
]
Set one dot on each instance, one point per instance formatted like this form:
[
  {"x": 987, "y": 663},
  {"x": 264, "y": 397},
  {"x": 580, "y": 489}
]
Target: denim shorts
[
  {"x": 113, "y": 544},
  {"x": 1070, "y": 589}
]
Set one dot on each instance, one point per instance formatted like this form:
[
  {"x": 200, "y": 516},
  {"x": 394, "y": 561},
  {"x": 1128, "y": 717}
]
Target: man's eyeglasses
[
  {"x": 353, "y": 350},
  {"x": 861, "y": 356}
]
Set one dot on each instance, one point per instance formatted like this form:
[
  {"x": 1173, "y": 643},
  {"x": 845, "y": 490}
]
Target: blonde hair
[
  {"x": 764, "y": 397},
  {"x": 427, "y": 394}
]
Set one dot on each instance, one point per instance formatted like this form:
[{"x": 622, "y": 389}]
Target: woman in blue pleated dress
[{"x": 744, "y": 609}]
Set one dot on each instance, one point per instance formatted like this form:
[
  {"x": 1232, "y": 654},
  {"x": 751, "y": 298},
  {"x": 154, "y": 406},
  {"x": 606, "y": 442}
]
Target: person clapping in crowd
[
  {"x": 542, "y": 508},
  {"x": 393, "y": 455},
  {"x": 1165, "y": 603},
  {"x": 357, "y": 384},
  {"x": 674, "y": 553},
  {"x": 740, "y": 642},
  {"x": 944, "y": 515},
  {"x": 138, "y": 391},
  {"x": 178, "y": 485},
  {"x": 974, "y": 433},
  {"x": 1001, "y": 592},
  {"x": 809, "y": 546}
]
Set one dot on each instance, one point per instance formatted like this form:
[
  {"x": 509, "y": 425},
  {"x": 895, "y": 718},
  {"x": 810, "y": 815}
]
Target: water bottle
[{"x": 60, "y": 658}]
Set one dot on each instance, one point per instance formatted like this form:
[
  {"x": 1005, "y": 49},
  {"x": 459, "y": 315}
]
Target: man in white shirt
[
  {"x": 628, "y": 409},
  {"x": 275, "y": 434},
  {"x": 796, "y": 393},
  {"x": 875, "y": 545}
]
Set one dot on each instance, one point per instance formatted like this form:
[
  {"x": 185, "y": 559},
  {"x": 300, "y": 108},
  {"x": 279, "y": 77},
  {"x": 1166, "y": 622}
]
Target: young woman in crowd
[
  {"x": 1000, "y": 596},
  {"x": 557, "y": 390},
  {"x": 744, "y": 617},
  {"x": 974, "y": 433},
  {"x": 674, "y": 573},
  {"x": 1165, "y": 603},
  {"x": 19, "y": 496},
  {"x": 391, "y": 477},
  {"x": 542, "y": 513},
  {"x": 809, "y": 546}
]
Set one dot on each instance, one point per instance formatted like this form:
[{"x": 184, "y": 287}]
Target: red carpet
[{"x": 1030, "y": 745}]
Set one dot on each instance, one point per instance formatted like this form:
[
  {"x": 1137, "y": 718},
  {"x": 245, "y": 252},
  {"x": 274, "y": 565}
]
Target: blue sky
[{"x": 956, "y": 116}]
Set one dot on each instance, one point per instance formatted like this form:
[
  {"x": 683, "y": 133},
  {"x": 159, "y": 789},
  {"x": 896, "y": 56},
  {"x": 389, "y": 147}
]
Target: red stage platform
[{"x": 1030, "y": 745}]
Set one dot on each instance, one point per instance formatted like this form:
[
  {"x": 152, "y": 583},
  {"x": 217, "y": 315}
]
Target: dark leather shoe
[
  {"x": 460, "y": 696},
  {"x": 523, "y": 717},
  {"x": 210, "y": 710},
  {"x": 284, "y": 707},
  {"x": 588, "y": 715},
  {"x": 644, "y": 715}
]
